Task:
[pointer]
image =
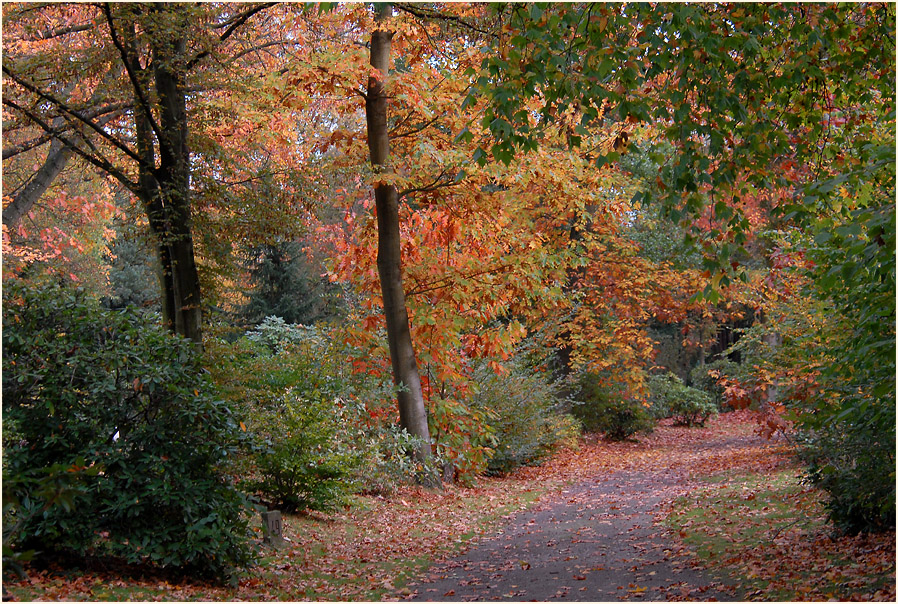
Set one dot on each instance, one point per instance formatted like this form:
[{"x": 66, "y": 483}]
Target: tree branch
[
  {"x": 49, "y": 34},
  {"x": 447, "y": 280},
  {"x": 232, "y": 24},
  {"x": 65, "y": 109},
  {"x": 108, "y": 112},
  {"x": 99, "y": 161},
  {"x": 126, "y": 60},
  {"x": 425, "y": 13},
  {"x": 436, "y": 184},
  {"x": 413, "y": 131},
  {"x": 32, "y": 189}
]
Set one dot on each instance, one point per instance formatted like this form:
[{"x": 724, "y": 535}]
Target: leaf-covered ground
[{"x": 737, "y": 512}]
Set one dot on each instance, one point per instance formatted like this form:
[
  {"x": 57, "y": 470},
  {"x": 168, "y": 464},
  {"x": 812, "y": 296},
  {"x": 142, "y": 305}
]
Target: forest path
[{"x": 601, "y": 538}]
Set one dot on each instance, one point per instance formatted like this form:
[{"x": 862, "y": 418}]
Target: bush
[
  {"x": 702, "y": 379},
  {"x": 300, "y": 462},
  {"x": 855, "y": 464},
  {"x": 604, "y": 405},
  {"x": 317, "y": 429},
  {"x": 525, "y": 414},
  {"x": 671, "y": 398},
  {"x": 121, "y": 405},
  {"x": 288, "y": 396},
  {"x": 388, "y": 463},
  {"x": 850, "y": 424},
  {"x": 462, "y": 435}
]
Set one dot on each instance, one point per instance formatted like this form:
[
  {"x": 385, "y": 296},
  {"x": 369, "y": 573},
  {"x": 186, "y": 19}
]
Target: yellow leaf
[{"x": 243, "y": 426}]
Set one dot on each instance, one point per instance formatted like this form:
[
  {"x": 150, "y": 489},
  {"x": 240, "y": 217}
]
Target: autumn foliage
[{"x": 505, "y": 207}]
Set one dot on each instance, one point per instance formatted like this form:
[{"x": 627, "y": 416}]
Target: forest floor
[{"x": 681, "y": 514}]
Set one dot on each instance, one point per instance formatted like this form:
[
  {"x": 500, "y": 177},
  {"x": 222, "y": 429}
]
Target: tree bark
[
  {"x": 57, "y": 158},
  {"x": 574, "y": 277},
  {"x": 412, "y": 411},
  {"x": 165, "y": 190},
  {"x": 173, "y": 176}
]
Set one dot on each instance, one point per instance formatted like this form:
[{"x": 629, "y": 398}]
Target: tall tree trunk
[
  {"x": 412, "y": 412},
  {"x": 165, "y": 190},
  {"x": 173, "y": 176},
  {"x": 574, "y": 275}
]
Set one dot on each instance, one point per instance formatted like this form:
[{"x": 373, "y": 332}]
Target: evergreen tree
[
  {"x": 286, "y": 283},
  {"x": 133, "y": 271}
]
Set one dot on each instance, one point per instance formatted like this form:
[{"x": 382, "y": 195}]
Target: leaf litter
[{"x": 385, "y": 547}]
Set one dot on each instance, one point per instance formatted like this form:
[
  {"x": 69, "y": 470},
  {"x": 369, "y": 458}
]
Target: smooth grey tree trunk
[
  {"x": 57, "y": 158},
  {"x": 412, "y": 411}
]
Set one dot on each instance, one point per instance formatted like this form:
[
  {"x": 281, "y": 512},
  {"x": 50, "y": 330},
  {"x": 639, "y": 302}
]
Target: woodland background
[{"x": 282, "y": 253}]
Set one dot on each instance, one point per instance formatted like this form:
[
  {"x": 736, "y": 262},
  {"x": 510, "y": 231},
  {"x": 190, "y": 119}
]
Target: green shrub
[
  {"x": 525, "y": 413},
  {"x": 671, "y": 398},
  {"x": 288, "y": 396},
  {"x": 855, "y": 464},
  {"x": 387, "y": 463},
  {"x": 122, "y": 405},
  {"x": 300, "y": 462},
  {"x": 604, "y": 405},
  {"x": 701, "y": 379},
  {"x": 463, "y": 437},
  {"x": 317, "y": 430},
  {"x": 850, "y": 424}
]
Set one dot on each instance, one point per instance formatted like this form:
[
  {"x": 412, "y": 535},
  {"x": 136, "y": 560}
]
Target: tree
[
  {"x": 784, "y": 108},
  {"x": 134, "y": 129},
  {"x": 287, "y": 283},
  {"x": 746, "y": 93},
  {"x": 412, "y": 412},
  {"x": 484, "y": 249},
  {"x": 132, "y": 270}
]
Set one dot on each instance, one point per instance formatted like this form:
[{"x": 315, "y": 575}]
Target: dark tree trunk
[
  {"x": 412, "y": 412},
  {"x": 173, "y": 176},
  {"x": 165, "y": 190},
  {"x": 575, "y": 275}
]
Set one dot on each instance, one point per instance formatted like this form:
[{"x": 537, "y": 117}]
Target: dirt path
[{"x": 600, "y": 539}]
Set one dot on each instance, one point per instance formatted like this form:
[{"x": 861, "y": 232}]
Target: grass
[{"x": 768, "y": 534}]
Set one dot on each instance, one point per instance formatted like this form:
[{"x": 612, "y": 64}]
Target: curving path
[{"x": 598, "y": 540}]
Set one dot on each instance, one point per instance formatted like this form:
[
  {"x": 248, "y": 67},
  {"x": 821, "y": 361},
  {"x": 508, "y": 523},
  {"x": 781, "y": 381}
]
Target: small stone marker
[{"x": 273, "y": 528}]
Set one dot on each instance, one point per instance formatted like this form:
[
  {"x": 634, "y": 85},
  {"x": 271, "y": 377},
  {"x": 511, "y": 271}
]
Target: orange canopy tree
[{"x": 119, "y": 86}]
